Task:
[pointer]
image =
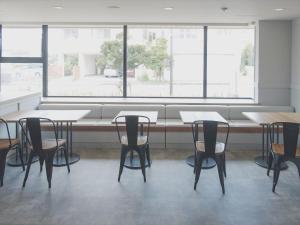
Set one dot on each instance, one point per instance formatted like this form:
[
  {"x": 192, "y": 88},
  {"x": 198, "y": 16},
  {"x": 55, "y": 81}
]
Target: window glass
[
  {"x": 165, "y": 62},
  {"x": 230, "y": 68},
  {"x": 21, "y": 77},
  {"x": 85, "y": 61},
  {"x": 21, "y": 42}
]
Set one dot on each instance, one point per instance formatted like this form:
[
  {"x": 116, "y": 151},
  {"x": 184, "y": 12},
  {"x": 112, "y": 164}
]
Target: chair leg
[
  {"x": 2, "y": 165},
  {"x": 41, "y": 160},
  {"x": 276, "y": 173},
  {"x": 224, "y": 165},
  {"x": 297, "y": 162},
  {"x": 141, "y": 154},
  {"x": 219, "y": 162},
  {"x": 148, "y": 155},
  {"x": 31, "y": 154},
  {"x": 49, "y": 156},
  {"x": 21, "y": 156},
  {"x": 270, "y": 162},
  {"x": 197, "y": 169},
  {"x": 66, "y": 158},
  {"x": 122, "y": 161}
]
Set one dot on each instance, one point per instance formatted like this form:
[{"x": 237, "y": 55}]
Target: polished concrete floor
[{"x": 90, "y": 194}]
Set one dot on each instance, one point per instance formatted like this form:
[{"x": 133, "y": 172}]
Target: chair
[
  {"x": 209, "y": 147},
  {"x": 133, "y": 139},
  {"x": 40, "y": 146},
  {"x": 7, "y": 144},
  {"x": 284, "y": 148}
]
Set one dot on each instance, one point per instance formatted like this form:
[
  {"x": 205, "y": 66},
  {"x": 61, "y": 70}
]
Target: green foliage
[
  {"x": 136, "y": 56},
  {"x": 247, "y": 58},
  {"x": 70, "y": 60},
  {"x": 157, "y": 56}
]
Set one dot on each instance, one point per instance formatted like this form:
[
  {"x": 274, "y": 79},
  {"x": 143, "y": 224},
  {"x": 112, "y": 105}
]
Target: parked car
[{"x": 112, "y": 73}]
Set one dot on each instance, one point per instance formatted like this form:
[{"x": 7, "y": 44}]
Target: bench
[{"x": 96, "y": 129}]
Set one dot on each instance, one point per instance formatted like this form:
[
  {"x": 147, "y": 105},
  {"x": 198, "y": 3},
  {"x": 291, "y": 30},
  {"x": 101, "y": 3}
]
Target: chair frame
[
  {"x": 3, "y": 153},
  {"x": 210, "y": 131},
  {"x": 290, "y": 141},
  {"x": 33, "y": 125},
  {"x": 132, "y": 125}
]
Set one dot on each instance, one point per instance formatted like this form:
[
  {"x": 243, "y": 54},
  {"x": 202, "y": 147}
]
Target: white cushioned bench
[{"x": 169, "y": 131}]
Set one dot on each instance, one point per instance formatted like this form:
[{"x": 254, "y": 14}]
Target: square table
[
  {"x": 188, "y": 117},
  {"x": 67, "y": 117},
  {"x": 264, "y": 119},
  {"x": 132, "y": 161}
]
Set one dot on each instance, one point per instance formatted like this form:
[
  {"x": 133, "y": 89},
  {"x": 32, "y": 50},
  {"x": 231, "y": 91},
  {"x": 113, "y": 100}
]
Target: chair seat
[
  {"x": 220, "y": 147},
  {"x": 50, "y": 144},
  {"x": 140, "y": 141},
  {"x": 4, "y": 143},
  {"x": 279, "y": 149}
]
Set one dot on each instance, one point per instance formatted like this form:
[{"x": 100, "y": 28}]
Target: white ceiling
[{"x": 146, "y": 11}]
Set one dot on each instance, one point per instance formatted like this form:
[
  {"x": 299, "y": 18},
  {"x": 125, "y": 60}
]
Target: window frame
[{"x": 44, "y": 61}]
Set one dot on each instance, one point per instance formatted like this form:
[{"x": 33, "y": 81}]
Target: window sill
[{"x": 163, "y": 101}]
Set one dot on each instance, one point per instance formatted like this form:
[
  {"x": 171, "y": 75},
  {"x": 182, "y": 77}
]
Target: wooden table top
[
  {"x": 152, "y": 115},
  {"x": 188, "y": 117},
  {"x": 55, "y": 115},
  {"x": 264, "y": 118}
]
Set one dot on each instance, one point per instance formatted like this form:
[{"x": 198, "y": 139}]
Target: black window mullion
[
  {"x": 205, "y": 63},
  {"x": 125, "y": 61},
  {"x": 45, "y": 59}
]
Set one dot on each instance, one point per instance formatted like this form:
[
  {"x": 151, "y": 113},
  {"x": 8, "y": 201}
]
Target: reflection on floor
[{"x": 90, "y": 194}]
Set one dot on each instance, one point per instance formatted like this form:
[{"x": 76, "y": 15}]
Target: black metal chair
[
  {"x": 41, "y": 146},
  {"x": 7, "y": 144},
  {"x": 209, "y": 147},
  {"x": 285, "y": 148},
  {"x": 133, "y": 139}
]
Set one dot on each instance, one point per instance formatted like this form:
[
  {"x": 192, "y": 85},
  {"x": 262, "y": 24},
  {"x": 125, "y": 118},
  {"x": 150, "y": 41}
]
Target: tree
[
  {"x": 136, "y": 56},
  {"x": 157, "y": 56},
  {"x": 247, "y": 58}
]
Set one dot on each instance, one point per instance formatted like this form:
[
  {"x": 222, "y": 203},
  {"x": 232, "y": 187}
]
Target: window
[
  {"x": 85, "y": 61},
  {"x": 230, "y": 67},
  {"x": 188, "y": 61},
  {"x": 21, "y": 42},
  {"x": 21, "y": 61},
  {"x": 21, "y": 77},
  {"x": 165, "y": 62}
]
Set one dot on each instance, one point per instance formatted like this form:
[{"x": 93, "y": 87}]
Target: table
[
  {"x": 265, "y": 119},
  {"x": 132, "y": 161},
  {"x": 188, "y": 117},
  {"x": 60, "y": 117}
]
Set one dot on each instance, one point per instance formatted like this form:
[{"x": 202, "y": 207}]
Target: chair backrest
[
  {"x": 289, "y": 139},
  {"x": 4, "y": 123},
  {"x": 32, "y": 125},
  {"x": 134, "y": 124},
  {"x": 209, "y": 129}
]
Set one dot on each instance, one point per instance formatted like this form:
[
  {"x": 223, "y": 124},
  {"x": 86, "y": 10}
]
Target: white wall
[
  {"x": 295, "y": 67},
  {"x": 274, "y": 62}
]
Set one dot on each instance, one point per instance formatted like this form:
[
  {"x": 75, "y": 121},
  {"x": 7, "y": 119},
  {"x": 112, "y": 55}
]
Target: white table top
[
  {"x": 188, "y": 117},
  {"x": 264, "y": 118},
  {"x": 152, "y": 115},
  {"x": 55, "y": 115}
]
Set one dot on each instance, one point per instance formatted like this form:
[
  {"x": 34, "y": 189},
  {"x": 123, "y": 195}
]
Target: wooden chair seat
[
  {"x": 220, "y": 147},
  {"x": 4, "y": 143},
  {"x": 279, "y": 149},
  {"x": 50, "y": 144},
  {"x": 142, "y": 140}
]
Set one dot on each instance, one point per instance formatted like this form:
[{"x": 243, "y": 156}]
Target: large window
[
  {"x": 230, "y": 57},
  {"x": 165, "y": 62},
  {"x": 85, "y": 61},
  {"x": 21, "y": 61},
  {"x": 129, "y": 61}
]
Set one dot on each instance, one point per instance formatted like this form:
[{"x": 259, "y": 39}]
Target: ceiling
[{"x": 146, "y": 11}]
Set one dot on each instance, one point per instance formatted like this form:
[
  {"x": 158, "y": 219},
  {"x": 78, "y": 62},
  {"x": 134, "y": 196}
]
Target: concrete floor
[{"x": 90, "y": 194}]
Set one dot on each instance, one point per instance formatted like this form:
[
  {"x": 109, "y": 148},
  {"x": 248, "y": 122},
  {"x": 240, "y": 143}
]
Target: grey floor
[{"x": 90, "y": 194}]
